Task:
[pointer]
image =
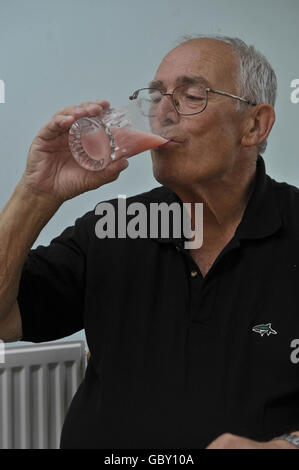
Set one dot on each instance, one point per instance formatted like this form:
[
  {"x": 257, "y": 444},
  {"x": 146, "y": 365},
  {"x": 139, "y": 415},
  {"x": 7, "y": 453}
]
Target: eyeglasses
[{"x": 187, "y": 99}]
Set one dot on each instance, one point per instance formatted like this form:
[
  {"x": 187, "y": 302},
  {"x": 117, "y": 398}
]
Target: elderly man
[{"x": 189, "y": 348}]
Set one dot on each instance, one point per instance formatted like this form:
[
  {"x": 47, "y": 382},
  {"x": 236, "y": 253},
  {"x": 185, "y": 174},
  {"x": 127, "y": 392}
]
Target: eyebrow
[{"x": 182, "y": 80}]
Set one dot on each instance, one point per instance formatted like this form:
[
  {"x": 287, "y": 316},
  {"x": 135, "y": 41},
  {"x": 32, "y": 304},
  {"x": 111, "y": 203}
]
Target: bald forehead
[
  {"x": 213, "y": 59},
  {"x": 207, "y": 45},
  {"x": 206, "y": 42}
]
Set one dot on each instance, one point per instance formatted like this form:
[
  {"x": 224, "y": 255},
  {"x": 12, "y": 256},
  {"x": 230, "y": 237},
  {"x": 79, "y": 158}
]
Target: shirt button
[{"x": 194, "y": 273}]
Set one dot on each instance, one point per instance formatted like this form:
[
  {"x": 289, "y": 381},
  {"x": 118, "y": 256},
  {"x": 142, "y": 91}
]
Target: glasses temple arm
[{"x": 231, "y": 96}]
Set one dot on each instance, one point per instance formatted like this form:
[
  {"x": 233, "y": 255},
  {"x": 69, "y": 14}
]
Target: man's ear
[{"x": 258, "y": 125}]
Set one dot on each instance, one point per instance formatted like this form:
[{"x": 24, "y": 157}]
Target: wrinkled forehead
[{"x": 213, "y": 60}]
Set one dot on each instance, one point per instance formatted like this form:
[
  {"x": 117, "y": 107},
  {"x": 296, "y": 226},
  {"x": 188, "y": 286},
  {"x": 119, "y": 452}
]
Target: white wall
[{"x": 59, "y": 52}]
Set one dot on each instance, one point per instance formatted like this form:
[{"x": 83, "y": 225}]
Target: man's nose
[{"x": 166, "y": 112}]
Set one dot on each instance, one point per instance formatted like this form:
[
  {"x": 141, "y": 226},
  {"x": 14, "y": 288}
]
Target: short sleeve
[{"x": 52, "y": 285}]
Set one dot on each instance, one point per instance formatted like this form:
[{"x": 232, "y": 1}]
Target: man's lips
[{"x": 172, "y": 140}]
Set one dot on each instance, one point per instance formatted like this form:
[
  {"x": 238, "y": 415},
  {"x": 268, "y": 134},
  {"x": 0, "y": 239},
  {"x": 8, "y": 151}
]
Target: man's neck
[{"x": 224, "y": 203}]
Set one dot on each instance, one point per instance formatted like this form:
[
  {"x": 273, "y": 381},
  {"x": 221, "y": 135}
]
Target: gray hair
[{"x": 257, "y": 79}]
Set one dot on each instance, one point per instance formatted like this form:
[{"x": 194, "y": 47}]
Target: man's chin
[
  {"x": 167, "y": 176},
  {"x": 168, "y": 169}
]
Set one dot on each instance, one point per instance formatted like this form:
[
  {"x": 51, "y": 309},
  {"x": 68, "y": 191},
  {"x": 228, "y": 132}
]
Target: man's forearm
[
  {"x": 283, "y": 444},
  {"x": 232, "y": 441},
  {"x": 21, "y": 221}
]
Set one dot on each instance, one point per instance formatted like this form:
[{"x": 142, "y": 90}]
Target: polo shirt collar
[{"x": 262, "y": 215}]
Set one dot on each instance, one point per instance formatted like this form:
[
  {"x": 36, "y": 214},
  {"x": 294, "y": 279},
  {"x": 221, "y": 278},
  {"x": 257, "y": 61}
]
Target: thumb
[
  {"x": 123, "y": 164},
  {"x": 114, "y": 168}
]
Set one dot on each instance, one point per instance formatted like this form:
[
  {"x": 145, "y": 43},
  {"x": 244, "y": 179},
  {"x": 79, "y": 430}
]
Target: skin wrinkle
[{"x": 182, "y": 80}]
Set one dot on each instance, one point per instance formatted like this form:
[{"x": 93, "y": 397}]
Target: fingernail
[
  {"x": 125, "y": 163},
  {"x": 92, "y": 105}
]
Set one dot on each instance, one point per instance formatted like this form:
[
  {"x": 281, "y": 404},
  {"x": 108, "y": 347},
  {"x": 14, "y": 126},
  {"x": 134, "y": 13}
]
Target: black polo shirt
[{"x": 176, "y": 359}]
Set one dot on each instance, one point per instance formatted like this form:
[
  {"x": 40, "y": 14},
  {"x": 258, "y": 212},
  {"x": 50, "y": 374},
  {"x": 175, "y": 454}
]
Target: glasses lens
[
  {"x": 148, "y": 101},
  {"x": 190, "y": 99}
]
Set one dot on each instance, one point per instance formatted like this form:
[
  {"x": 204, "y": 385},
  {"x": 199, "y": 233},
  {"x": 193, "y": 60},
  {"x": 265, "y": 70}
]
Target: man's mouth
[{"x": 172, "y": 141}]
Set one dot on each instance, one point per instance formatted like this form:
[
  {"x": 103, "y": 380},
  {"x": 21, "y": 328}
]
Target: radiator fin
[{"x": 37, "y": 384}]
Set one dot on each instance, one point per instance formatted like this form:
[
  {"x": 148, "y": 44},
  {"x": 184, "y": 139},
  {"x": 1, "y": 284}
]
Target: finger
[
  {"x": 115, "y": 167},
  {"x": 70, "y": 109},
  {"x": 105, "y": 104},
  {"x": 60, "y": 123},
  {"x": 111, "y": 172},
  {"x": 88, "y": 109},
  {"x": 56, "y": 126}
]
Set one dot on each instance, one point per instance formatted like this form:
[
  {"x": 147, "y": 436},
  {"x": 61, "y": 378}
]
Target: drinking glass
[{"x": 118, "y": 132}]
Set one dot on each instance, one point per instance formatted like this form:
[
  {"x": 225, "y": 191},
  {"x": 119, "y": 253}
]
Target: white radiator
[{"x": 37, "y": 384}]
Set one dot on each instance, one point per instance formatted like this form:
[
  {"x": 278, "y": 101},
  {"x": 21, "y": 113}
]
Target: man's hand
[
  {"x": 231, "y": 441},
  {"x": 52, "y": 171}
]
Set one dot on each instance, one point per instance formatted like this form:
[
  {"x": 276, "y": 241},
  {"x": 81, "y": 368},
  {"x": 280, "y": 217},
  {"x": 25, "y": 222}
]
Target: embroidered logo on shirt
[{"x": 264, "y": 329}]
